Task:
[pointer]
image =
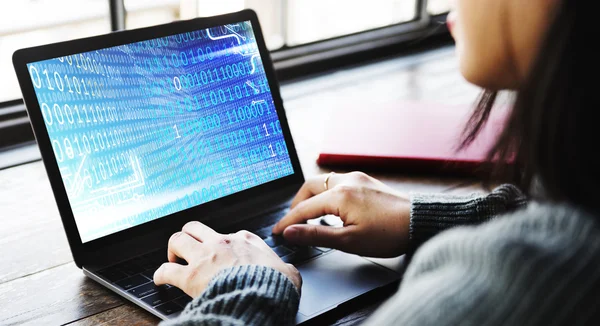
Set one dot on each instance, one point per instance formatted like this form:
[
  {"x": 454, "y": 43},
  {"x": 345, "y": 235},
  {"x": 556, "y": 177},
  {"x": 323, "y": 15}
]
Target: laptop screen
[{"x": 147, "y": 129}]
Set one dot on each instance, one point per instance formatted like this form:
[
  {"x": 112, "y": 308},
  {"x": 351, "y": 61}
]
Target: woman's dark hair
[{"x": 551, "y": 133}]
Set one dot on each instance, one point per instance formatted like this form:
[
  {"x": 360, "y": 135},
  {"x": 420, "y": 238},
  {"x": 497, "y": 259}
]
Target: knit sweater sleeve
[
  {"x": 432, "y": 213},
  {"x": 536, "y": 266},
  {"x": 243, "y": 295}
]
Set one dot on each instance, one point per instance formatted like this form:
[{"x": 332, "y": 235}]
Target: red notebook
[{"x": 406, "y": 137}]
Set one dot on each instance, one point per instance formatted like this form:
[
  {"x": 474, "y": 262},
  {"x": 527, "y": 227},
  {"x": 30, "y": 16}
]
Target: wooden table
[{"x": 39, "y": 283}]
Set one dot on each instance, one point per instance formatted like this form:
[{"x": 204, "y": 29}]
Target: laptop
[{"x": 141, "y": 131}]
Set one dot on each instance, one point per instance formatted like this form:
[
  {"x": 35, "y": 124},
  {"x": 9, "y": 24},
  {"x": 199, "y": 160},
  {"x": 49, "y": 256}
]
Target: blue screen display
[{"x": 147, "y": 129}]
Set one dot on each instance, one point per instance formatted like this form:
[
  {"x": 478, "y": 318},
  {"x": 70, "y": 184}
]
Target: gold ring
[{"x": 326, "y": 183}]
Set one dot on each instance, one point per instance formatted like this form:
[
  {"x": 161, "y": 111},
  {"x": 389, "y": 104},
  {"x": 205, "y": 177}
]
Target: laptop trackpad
[{"x": 336, "y": 278}]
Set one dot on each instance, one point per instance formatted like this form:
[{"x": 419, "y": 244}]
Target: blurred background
[
  {"x": 306, "y": 39},
  {"x": 287, "y": 24}
]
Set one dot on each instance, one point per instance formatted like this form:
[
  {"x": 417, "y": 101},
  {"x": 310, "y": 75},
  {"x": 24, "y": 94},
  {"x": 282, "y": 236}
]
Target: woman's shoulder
[
  {"x": 546, "y": 234},
  {"x": 533, "y": 266}
]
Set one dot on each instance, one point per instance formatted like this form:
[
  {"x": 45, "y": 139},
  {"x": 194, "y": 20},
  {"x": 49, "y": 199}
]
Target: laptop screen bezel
[{"x": 34, "y": 54}]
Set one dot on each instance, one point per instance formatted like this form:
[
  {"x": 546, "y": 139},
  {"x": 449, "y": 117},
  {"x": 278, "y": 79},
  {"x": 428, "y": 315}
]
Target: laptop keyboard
[
  {"x": 135, "y": 275},
  {"x": 290, "y": 253}
]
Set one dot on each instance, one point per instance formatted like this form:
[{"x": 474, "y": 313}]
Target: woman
[{"x": 504, "y": 262}]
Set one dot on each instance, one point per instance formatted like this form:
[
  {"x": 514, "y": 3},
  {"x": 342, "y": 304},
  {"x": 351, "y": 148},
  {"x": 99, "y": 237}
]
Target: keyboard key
[
  {"x": 323, "y": 249},
  {"x": 131, "y": 267},
  {"x": 183, "y": 301},
  {"x": 147, "y": 264},
  {"x": 269, "y": 241},
  {"x": 158, "y": 256},
  {"x": 146, "y": 289},
  {"x": 163, "y": 296},
  {"x": 113, "y": 274},
  {"x": 281, "y": 251},
  {"x": 274, "y": 241},
  {"x": 272, "y": 218},
  {"x": 264, "y": 232},
  {"x": 132, "y": 282},
  {"x": 169, "y": 308},
  {"x": 294, "y": 247},
  {"x": 149, "y": 273},
  {"x": 302, "y": 255},
  {"x": 277, "y": 215}
]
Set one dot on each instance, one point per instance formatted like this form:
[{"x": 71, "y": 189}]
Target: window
[
  {"x": 287, "y": 23},
  {"x": 437, "y": 7},
  {"x": 27, "y": 23},
  {"x": 315, "y": 20},
  {"x": 304, "y": 36},
  {"x": 307, "y": 36},
  {"x": 142, "y": 13}
]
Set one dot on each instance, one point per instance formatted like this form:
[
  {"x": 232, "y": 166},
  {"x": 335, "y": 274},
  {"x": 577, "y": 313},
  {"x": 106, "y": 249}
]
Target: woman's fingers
[
  {"x": 318, "y": 235},
  {"x": 170, "y": 273},
  {"x": 315, "y": 186},
  {"x": 317, "y": 206},
  {"x": 199, "y": 231},
  {"x": 182, "y": 245}
]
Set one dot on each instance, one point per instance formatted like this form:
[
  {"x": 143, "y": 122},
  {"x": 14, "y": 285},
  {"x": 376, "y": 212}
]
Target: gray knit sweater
[{"x": 537, "y": 265}]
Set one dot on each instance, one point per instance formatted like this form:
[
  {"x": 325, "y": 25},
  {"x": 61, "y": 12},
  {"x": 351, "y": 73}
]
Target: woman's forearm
[{"x": 243, "y": 295}]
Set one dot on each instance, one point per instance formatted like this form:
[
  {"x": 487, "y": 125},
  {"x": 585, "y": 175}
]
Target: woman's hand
[
  {"x": 376, "y": 218},
  {"x": 208, "y": 252}
]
